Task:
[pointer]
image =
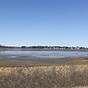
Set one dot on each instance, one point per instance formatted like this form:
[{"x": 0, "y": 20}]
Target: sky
[{"x": 44, "y": 22}]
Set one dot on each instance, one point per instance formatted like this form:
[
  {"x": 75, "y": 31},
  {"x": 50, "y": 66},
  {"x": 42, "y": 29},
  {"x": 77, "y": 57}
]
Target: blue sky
[{"x": 44, "y": 22}]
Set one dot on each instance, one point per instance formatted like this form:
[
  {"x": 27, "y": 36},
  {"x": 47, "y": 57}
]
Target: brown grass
[{"x": 60, "y": 76}]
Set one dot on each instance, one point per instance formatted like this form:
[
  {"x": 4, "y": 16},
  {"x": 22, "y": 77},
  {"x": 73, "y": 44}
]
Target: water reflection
[{"x": 43, "y": 54}]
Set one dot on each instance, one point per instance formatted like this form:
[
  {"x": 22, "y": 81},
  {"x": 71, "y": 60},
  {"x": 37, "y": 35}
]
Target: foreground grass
[{"x": 60, "y": 76}]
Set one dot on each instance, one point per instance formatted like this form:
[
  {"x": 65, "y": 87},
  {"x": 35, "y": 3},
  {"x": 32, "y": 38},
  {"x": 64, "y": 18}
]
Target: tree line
[{"x": 47, "y": 47}]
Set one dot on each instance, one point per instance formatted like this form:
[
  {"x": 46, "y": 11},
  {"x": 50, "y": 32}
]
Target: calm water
[{"x": 42, "y": 54}]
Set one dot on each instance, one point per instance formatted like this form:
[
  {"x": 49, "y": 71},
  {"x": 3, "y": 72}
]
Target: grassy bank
[
  {"x": 61, "y": 76},
  {"x": 49, "y": 73}
]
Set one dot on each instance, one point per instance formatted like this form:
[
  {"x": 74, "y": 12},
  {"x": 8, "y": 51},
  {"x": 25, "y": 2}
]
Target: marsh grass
[{"x": 67, "y": 76}]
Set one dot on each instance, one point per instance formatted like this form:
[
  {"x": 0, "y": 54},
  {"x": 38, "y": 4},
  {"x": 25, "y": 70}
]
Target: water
[{"x": 42, "y": 54}]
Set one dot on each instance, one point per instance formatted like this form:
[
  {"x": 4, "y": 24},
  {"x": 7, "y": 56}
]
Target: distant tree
[
  {"x": 0, "y": 46},
  {"x": 23, "y": 46},
  {"x": 82, "y": 47}
]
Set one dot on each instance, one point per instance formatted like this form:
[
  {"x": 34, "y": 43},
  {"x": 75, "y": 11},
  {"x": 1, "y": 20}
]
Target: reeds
[{"x": 65, "y": 76}]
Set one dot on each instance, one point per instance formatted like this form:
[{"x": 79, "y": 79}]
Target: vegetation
[
  {"x": 61, "y": 76},
  {"x": 46, "y": 47}
]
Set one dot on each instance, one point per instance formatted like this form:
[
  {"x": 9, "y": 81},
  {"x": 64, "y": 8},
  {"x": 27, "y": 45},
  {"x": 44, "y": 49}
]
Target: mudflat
[{"x": 43, "y": 62}]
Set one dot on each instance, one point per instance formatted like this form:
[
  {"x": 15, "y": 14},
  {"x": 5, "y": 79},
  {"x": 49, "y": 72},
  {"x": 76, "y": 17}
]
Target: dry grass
[{"x": 61, "y": 76}]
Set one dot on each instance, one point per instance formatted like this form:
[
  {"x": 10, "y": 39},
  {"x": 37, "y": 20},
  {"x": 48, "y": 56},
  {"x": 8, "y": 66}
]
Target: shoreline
[
  {"x": 39, "y": 49},
  {"x": 42, "y": 62}
]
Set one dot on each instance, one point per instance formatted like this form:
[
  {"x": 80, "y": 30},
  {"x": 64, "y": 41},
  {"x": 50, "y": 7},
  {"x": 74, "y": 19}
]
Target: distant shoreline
[
  {"x": 38, "y": 49},
  {"x": 44, "y": 48}
]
